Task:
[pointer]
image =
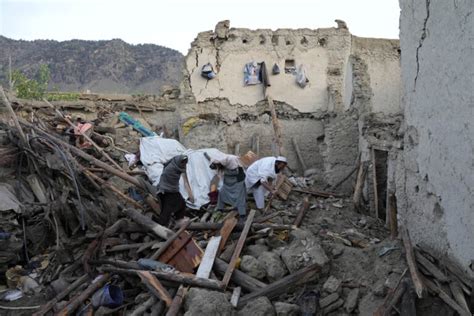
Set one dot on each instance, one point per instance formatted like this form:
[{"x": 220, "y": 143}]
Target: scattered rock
[
  {"x": 273, "y": 265},
  {"x": 331, "y": 285},
  {"x": 333, "y": 307},
  {"x": 286, "y": 309},
  {"x": 337, "y": 250},
  {"x": 257, "y": 307},
  {"x": 252, "y": 267},
  {"x": 303, "y": 251},
  {"x": 204, "y": 302},
  {"x": 351, "y": 301},
  {"x": 256, "y": 250},
  {"x": 380, "y": 289},
  {"x": 328, "y": 300}
]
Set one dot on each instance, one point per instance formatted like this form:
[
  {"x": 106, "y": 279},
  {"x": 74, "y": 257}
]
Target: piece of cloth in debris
[
  {"x": 252, "y": 73},
  {"x": 233, "y": 191},
  {"x": 80, "y": 130},
  {"x": 172, "y": 203},
  {"x": 301, "y": 78},
  {"x": 169, "y": 181},
  {"x": 264, "y": 75},
  {"x": 260, "y": 171},
  {"x": 8, "y": 200}
]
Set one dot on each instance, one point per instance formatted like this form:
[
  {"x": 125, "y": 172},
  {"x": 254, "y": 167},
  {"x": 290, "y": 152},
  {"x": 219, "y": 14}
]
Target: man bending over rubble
[
  {"x": 168, "y": 190},
  {"x": 233, "y": 191},
  {"x": 258, "y": 175}
]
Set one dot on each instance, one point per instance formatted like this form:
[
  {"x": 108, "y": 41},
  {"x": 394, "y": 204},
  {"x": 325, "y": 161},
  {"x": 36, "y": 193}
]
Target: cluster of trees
[{"x": 28, "y": 88}]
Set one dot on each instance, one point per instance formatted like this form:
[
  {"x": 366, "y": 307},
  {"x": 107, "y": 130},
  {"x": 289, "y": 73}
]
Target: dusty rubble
[{"x": 79, "y": 235}]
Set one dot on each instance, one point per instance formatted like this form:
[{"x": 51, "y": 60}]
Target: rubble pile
[{"x": 79, "y": 235}]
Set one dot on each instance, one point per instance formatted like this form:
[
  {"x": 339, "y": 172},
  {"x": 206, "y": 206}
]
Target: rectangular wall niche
[{"x": 290, "y": 66}]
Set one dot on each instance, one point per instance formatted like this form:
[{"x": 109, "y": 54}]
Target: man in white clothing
[{"x": 258, "y": 175}]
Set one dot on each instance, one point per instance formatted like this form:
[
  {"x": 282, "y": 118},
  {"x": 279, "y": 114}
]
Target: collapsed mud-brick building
[
  {"x": 435, "y": 175},
  {"x": 349, "y": 102}
]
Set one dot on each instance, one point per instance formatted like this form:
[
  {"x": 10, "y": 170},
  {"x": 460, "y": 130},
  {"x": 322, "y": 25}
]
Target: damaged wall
[
  {"x": 348, "y": 77},
  {"x": 436, "y": 174}
]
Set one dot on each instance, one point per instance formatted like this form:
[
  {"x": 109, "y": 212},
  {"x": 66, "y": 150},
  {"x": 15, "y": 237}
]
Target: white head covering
[{"x": 282, "y": 159}]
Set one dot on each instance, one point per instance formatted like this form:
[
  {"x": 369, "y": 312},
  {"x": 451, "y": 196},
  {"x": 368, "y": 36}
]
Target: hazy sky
[{"x": 175, "y": 23}]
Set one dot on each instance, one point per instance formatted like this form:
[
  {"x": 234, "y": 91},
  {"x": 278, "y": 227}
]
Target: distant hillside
[{"x": 99, "y": 66}]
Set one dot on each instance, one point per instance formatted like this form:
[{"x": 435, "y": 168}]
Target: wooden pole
[
  {"x": 304, "y": 208},
  {"x": 182, "y": 278},
  {"x": 238, "y": 249},
  {"x": 48, "y": 306},
  {"x": 74, "y": 303},
  {"x": 177, "y": 301},
  {"x": 410, "y": 256},
  {"x": 148, "y": 223}
]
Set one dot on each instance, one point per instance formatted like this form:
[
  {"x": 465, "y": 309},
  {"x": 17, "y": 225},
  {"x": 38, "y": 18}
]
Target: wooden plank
[
  {"x": 169, "y": 241},
  {"x": 283, "y": 285},
  {"x": 234, "y": 300},
  {"x": 155, "y": 287},
  {"x": 410, "y": 256},
  {"x": 304, "y": 208},
  {"x": 458, "y": 295},
  {"x": 226, "y": 230},
  {"x": 446, "y": 298},
  {"x": 428, "y": 265},
  {"x": 238, "y": 249},
  {"x": 177, "y": 301},
  {"x": 238, "y": 227},
  {"x": 207, "y": 261},
  {"x": 374, "y": 183}
]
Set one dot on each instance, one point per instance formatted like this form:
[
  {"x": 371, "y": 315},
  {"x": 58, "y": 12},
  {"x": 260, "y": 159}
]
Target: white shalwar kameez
[{"x": 261, "y": 170}]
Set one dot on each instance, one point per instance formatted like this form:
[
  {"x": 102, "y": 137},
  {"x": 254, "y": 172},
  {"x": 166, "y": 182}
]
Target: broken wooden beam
[
  {"x": 240, "y": 278},
  {"x": 282, "y": 286},
  {"x": 446, "y": 298},
  {"x": 374, "y": 184},
  {"x": 76, "y": 301},
  {"x": 304, "y": 208},
  {"x": 48, "y": 306},
  {"x": 238, "y": 249},
  {"x": 159, "y": 230},
  {"x": 177, "y": 301},
  {"x": 411, "y": 261},
  {"x": 182, "y": 278},
  {"x": 318, "y": 193},
  {"x": 155, "y": 287},
  {"x": 238, "y": 227}
]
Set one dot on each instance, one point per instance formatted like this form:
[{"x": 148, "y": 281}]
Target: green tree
[{"x": 27, "y": 88}]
